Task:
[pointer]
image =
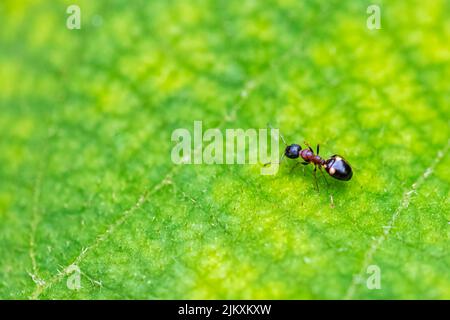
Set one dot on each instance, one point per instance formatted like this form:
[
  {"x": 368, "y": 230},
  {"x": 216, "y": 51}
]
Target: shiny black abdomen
[{"x": 338, "y": 168}]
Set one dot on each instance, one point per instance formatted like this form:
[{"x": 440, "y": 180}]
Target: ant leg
[
  {"x": 304, "y": 163},
  {"x": 315, "y": 178},
  {"x": 294, "y": 166},
  {"x": 323, "y": 175},
  {"x": 308, "y": 145},
  {"x": 297, "y": 163},
  {"x": 318, "y": 147}
]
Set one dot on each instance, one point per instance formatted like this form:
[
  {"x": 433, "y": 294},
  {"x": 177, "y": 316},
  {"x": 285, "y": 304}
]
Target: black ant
[{"x": 336, "y": 166}]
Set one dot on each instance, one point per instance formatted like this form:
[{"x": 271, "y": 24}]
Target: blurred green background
[{"x": 86, "y": 180}]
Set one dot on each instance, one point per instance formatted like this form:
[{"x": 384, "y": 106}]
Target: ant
[{"x": 336, "y": 166}]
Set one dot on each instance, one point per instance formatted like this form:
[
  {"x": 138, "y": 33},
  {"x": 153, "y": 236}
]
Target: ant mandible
[{"x": 336, "y": 166}]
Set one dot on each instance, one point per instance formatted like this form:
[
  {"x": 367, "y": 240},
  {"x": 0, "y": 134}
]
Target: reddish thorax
[{"x": 309, "y": 156}]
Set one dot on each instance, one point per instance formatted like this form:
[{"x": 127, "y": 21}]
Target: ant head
[{"x": 292, "y": 151}]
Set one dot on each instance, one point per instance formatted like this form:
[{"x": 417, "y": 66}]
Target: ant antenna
[
  {"x": 284, "y": 141},
  {"x": 279, "y": 162},
  {"x": 282, "y": 138}
]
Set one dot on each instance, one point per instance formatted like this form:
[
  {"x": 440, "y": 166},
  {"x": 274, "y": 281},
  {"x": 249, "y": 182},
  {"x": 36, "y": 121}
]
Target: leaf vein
[{"x": 404, "y": 204}]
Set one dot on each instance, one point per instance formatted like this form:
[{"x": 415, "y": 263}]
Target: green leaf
[{"x": 89, "y": 195}]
